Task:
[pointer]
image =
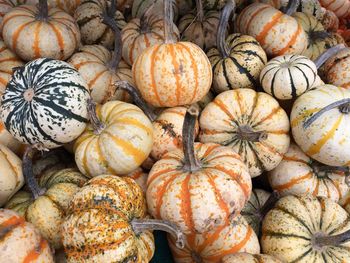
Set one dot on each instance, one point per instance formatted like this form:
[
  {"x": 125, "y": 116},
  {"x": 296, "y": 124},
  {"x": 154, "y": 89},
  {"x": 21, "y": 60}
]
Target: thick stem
[
  {"x": 168, "y": 22},
  {"x": 321, "y": 241},
  {"x": 191, "y": 162},
  {"x": 291, "y": 8},
  {"x": 43, "y": 9},
  {"x": 140, "y": 225},
  {"x": 328, "y": 54},
  {"x": 223, "y": 23},
  {"x": 144, "y": 20},
  {"x": 246, "y": 133},
  {"x": 137, "y": 98},
  {"x": 97, "y": 125},
  {"x": 200, "y": 12},
  {"x": 269, "y": 204},
  {"x": 27, "y": 167},
  {"x": 343, "y": 106},
  {"x": 112, "y": 8}
]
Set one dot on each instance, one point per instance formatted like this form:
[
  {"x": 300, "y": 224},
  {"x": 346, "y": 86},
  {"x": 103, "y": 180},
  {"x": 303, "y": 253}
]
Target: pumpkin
[
  {"x": 345, "y": 202},
  {"x": 249, "y": 258},
  {"x": 21, "y": 241},
  {"x": 252, "y": 123},
  {"x": 200, "y": 27},
  {"x": 141, "y": 33},
  {"x": 298, "y": 174},
  {"x": 26, "y": 28},
  {"x": 340, "y": 7},
  {"x": 278, "y": 33},
  {"x": 238, "y": 60},
  {"x": 330, "y": 21},
  {"x": 106, "y": 223},
  {"x": 200, "y": 187},
  {"x": 210, "y": 247},
  {"x": 117, "y": 141},
  {"x": 140, "y": 177},
  {"x": 319, "y": 121},
  {"x": 68, "y": 6},
  {"x": 45, "y": 205},
  {"x": 306, "y": 229},
  {"x": 9, "y": 141},
  {"x": 174, "y": 73},
  {"x": 139, "y": 7},
  {"x": 45, "y": 102},
  {"x": 287, "y": 77},
  {"x": 11, "y": 174}
]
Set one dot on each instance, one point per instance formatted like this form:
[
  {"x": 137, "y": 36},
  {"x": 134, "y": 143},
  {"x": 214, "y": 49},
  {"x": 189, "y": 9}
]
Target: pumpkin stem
[
  {"x": 168, "y": 21},
  {"x": 319, "y": 167},
  {"x": 140, "y": 225},
  {"x": 196, "y": 257},
  {"x": 191, "y": 163},
  {"x": 97, "y": 125},
  {"x": 27, "y": 167},
  {"x": 200, "y": 12},
  {"x": 291, "y": 7},
  {"x": 246, "y": 133},
  {"x": 269, "y": 204},
  {"x": 137, "y": 98},
  {"x": 336, "y": 240},
  {"x": 112, "y": 9},
  {"x": 223, "y": 23},
  {"x": 328, "y": 54},
  {"x": 43, "y": 9},
  {"x": 343, "y": 106},
  {"x": 144, "y": 19}
]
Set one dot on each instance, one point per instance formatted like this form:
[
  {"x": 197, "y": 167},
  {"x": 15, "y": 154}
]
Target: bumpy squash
[{"x": 249, "y": 258}]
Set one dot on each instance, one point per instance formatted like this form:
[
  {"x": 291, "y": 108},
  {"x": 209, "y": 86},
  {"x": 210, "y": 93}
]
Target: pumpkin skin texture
[
  {"x": 278, "y": 34},
  {"x": 98, "y": 229},
  {"x": 233, "y": 114},
  {"x": 286, "y": 77},
  {"x": 48, "y": 211},
  {"x": 210, "y": 247},
  {"x": 27, "y": 35},
  {"x": 200, "y": 200},
  {"x": 289, "y": 228},
  {"x": 45, "y": 102},
  {"x": 140, "y": 177},
  {"x": 23, "y": 242},
  {"x": 11, "y": 174},
  {"x": 298, "y": 174},
  {"x": 92, "y": 62},
  {"x": 9, "y": 141},
  {"x": 139, "y": 7},
  {"x": 327, "y": 138},
  {"x": 121, "y": 146},
  {"x": 249, "y": 258},
  {"x": 243, "y": 66},
  {"x": 173, "y": 74},
  {"x": 68, "y": 6},
  {"x": 340, "y": 7}
]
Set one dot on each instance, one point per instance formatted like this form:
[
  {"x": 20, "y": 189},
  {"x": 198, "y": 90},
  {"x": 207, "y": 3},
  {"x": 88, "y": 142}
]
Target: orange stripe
[
  {"x": 16, "y": 34},
  {"x": 79, "y": 65},
  {"x": 97, "y": 76},
  {"x": 2, "y": 127},
  {"x": 12, "y": 221},
  {"x": 160, "y": 193},
  {"x": 8, "y": 18},
  {"x": 59, "y": 39},
  {"x": 35, "y": 253},
  {"x": 254, "y": 15},
  {"x": 222, "y": 106},
  {"x": 36, "y": 44},
  {"x": 210, "y": 238},
  {"x": 263, "y": 34},
  {"x": 273, "y": 112},
  {"x": 153, "y": 81},
  {"x": 291, "y": 41},
  {"x": 176, "y": 72},
  {"x": 294, "y": 159},
  {"x": 131, "y": 50},
  {"x": 134, "y": 122},
  {"x": 136, "y": 175},
  {"x": 292, "y": 182},
  {"x": 185, "y": 205},
  {"x": 157, "y": 174},
  {"x": 315, "y": 192}
]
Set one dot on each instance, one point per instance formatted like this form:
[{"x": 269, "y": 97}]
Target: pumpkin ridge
[
  {"x": 17, "y": 33},
  {"x": 263, "y": 34},
  {"x": 291, "y": 41},
  {"x": 186, "y": 204},
  {"x": 58, "y": 37},
  {"x": 35, "y": 253}
]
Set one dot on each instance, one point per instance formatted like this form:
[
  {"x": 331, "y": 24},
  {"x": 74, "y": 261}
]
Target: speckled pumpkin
[
  {"x": 278, "y": 34},
  {"x": 249, "y": 258},
  {"x": 211, "y": 247},
  {"x": 330, "y": 21},
  {"x": 320, "y": 126},
  {"x": 140, "y": 177},
  {"x": 21, "y": 241},
  {"x": 98, "y": 225},
  {"x": 340, "y": 7},
  {"x": 298, "y": 230},
  {"x": 252, "y": 123}
]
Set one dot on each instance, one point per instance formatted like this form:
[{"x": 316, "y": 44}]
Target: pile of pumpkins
[{"x": 223, "y": 123}]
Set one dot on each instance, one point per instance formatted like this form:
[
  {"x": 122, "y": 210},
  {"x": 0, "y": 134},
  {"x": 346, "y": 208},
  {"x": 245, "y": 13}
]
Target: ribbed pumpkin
[
  {"x": 249, "y": 258},
  {"x": 298, "y": 174},
  {"x": 200, "y": 187},
  {"x": 307, "y": 229},
  {"x": 330, "y": 21},
  {"x": 68, "y": 6},
  {"x": 252, "y": 123},
  {"x": 278, "y": 33},
  {"x": 106, "y": 223},
  {"x": 345, "y": 202},
  {"x": 140, "y": 6},
  {"x": 45, "y": 102},
  {"x": 238, "y": 60},
  {"x": 340, "y": 7},
  {"x": 93, "y": 31},
  {"x": 287, "y": 77},
  {"x": 119, "y": 139},
  {"x": 174, "y": 73},
  {"x": 210, "y": 247},
  {"x": 11, "y": 174},
  {"x": 320, "y": 124},
  {"x": 9, "y": 141},
  {"x": 21, "y": 241},
  {"x": 26, "y": 29},
  {"x": 140, "y": 177},
  {"x": 141, "y": 33},
  {"x": 6, "y": 6}
]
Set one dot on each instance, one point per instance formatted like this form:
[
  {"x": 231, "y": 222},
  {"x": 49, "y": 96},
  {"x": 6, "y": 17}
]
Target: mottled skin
[{"x": 243, "y": 257}]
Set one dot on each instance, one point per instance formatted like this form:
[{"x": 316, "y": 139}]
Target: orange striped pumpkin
[
  {"x": 6, "y": 6},
  {"x": 21, "y": 241},
  {"x": 9, "y": 141},
  {"x": 140, "y": 177},
  {"x": 244, "y": 257},
  {"x": 211, "y": 247},
  {"x": 278, "y": 34},
  {"x": 26, "y": 31},
  {"x": 68, "y": 6},
  {"x": 340, "y": 7},
  {"x": 298, "y": 174}
]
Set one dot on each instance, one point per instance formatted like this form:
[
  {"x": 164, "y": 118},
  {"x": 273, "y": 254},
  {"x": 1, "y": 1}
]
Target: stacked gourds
[{"x": 224, "y": 124}]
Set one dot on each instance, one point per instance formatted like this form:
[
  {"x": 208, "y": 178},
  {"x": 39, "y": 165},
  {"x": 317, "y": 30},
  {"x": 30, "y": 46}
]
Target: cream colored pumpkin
[
  {"x": 9, "y": 141},
  {"x": 140, "y": 177},
  {"x": 345, "y": 202},
  {"x": 249, "y": 258},
  {"x": 68, "y": 6},
  {"x": 340, "y": 7}
]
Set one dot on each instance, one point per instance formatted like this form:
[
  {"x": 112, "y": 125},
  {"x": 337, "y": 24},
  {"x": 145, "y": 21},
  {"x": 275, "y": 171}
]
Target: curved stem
[
  {"x": 144, "y": 20},
  {"x": 291, "y": 8},
  {"x": 336, "y": 240},
  {"x": 200, "y": 12},
  {"x": 168, "y": 21},
  {"x": 191, "y": 163},
  {"x": 97, "y": 125},
  {"x": 112, "y": 9},
  {"x": 137, "y": 98},
  {"x": 246, "y": 133},
  {"x": 27, "y": 167},
  {"x": 343, "y": 106},
  {"x": 269, "y": 204},
  {"x": 328, "y": 54},
  {"x": 223, "y": 23},
  {"x": 140, "y": 225},
  {"x": 43, "y": 9}
]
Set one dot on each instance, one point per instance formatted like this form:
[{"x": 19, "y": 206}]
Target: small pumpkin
[
  {"x": 249, "y": 258},
  {"x": 251, "y": 123},
  {"x": 68, "y": 6},
  {"x": 140, "y": 177},
  {"x": 22, "y": 241},
  {"x": 238, "y": 60},
  {"x": 45, "y": 103},
  {"x": 306, "y": 229},
  {"x": 9, "y": 141},
  {"x": 26, "y": 28},
  {"x": 139, "y": 7},
  {"x": 330, "y": 21},
  {"x": 340, "y": 7}
]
